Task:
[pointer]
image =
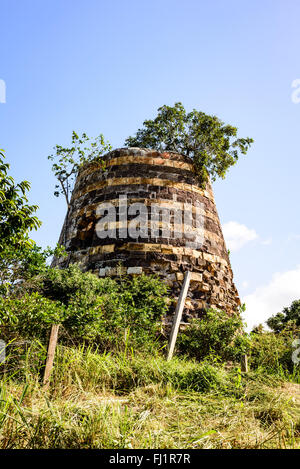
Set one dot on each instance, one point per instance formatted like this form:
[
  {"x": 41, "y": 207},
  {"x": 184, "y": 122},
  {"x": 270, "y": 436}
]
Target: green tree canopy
[
  {"x": 290, "y": 314},
  {"x": 20, "y": 257},
  {"x": 68, "y": 160},
  {"x": 16, "y": 215},
  {"x": 211, "y": 144},
  {"x": 19, "y": 263}
]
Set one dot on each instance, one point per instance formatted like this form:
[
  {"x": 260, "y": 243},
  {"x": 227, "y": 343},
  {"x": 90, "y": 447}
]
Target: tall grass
[
  {"x": 130, "y": 400},
  {"x": 122, "y": 373}
]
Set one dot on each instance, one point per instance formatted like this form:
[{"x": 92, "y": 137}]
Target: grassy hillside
[
  {"x": 111, "y": 385},
  {"x": 100, "y": 400}
]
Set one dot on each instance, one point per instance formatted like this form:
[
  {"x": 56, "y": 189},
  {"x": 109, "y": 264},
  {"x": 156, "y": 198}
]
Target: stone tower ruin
[{"x": 145, "y": 195}]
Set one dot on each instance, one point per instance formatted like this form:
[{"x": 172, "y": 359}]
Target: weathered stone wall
[{"x": 168, "y": 180}]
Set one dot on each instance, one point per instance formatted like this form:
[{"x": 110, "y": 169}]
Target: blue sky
[{"x": 105, "y": 66}]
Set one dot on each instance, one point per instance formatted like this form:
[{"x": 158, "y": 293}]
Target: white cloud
[
  {"x": 267, "y": 242},
  {"x": 270, "y": 299},
  {"x": 237, "y": 235},
  {"x": 293, "y": 237}
]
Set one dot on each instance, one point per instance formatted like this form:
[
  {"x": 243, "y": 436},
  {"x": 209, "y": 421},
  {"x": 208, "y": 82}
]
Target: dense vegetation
[
  {"x": 89, "y": 309},
  {"x": 137, "y": 400},
  {"x": 111, "y": 386}
]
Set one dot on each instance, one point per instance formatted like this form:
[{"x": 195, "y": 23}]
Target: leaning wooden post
[
  {"x": 244, "y": 363},
  {"x": 178, "y": 314},
  {"x": 50, "y": 355}
]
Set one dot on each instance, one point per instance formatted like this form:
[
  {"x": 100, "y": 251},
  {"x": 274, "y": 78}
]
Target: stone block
[
  {"x": 135, "y": 270},
  {"x": 195, "y": 277}
]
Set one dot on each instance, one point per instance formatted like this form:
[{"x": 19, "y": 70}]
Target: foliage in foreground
[
  {"x": 141, "y": 401},
  {"x": 126, "y": 313},
  {"x": 89, "y": 309},
  {"x": 215, "y": 334},
  {"x": 274, "y": 352},
  {"x": 119, "y": 391}
]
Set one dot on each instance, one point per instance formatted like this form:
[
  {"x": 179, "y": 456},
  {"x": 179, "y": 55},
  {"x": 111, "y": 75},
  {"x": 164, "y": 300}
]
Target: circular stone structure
[{"x": 146, "y": 212}]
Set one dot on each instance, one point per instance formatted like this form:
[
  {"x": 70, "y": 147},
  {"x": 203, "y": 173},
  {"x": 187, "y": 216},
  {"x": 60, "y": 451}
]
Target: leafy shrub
[
  {"x": 215, "y": 334},
  {"x": 104, "y": 311},
  {"x": 63, "y": 284},
  {"x": 18, "y": 264},
  {"x": 29, "y": 316},
  {"x": 273, "y": 352}
]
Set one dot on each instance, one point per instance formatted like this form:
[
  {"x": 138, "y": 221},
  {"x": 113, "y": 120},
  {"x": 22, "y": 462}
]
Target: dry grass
[{"x": 133, "y": 402}]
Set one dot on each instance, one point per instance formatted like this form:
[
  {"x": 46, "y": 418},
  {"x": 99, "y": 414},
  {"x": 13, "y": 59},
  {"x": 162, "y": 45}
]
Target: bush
[
  {"x": 273, "y": 352},
  {"x": 29, "y": 316},
  {"x": 107, "y": 312},
  {"x": 20, "y": 263},
  {"x": 215, "y": 334}
]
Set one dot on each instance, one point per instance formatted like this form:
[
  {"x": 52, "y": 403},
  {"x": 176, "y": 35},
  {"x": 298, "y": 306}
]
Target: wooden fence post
[
  {"x": 244, "y": 363},
  {"x": 178, "y": 314},
  {"x": 50, "y": 355}
]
